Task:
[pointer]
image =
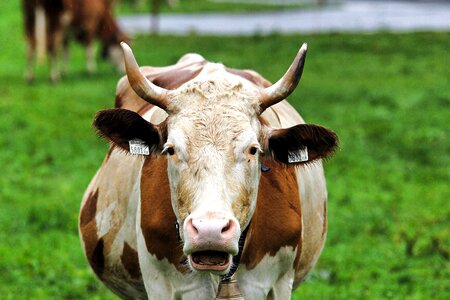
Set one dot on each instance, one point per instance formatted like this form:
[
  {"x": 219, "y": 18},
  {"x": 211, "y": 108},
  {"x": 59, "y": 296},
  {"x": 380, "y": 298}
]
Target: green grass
[
  {"x": 386, "y": 95},
  {"x": 207, "y": 6}
]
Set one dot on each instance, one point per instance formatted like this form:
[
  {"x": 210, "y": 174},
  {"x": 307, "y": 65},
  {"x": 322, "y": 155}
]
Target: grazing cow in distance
[
  {"x": 50, "y": 24},
  {"x": 213, "y": 185}
]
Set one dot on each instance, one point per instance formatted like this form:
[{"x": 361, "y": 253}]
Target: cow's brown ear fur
[
  {"x": 286, "y": 143},
  {"x": 121, "y": 125}
]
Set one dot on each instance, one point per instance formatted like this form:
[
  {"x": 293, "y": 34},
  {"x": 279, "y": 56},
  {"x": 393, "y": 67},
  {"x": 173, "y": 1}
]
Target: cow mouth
[{"x": 210, "y": 260}]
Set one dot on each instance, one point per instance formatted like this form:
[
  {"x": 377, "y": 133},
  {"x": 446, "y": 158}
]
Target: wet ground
[{"x": 348, "y": 16}]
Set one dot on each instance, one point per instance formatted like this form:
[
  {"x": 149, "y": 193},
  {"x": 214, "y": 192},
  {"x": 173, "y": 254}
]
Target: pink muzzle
[{"x": 211, "y": 242}]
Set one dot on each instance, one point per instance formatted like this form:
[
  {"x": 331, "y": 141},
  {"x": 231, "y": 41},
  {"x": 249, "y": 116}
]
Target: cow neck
[
  {"x": 228, "y": 286},
  {"x": 237, "y": 258}
]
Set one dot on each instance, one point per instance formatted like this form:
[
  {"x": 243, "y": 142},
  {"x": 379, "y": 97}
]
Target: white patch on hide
[
  {"x": 272, "y": 273},
  {"x": 103, "y": 219}
]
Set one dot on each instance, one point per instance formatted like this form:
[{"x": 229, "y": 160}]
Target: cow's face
[
  {"x": 213, "y": 148},
  {"x": 213, "y": 140}
]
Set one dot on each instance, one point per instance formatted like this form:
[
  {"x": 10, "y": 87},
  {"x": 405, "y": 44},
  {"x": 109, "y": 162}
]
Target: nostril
[
  {"x": 218, "y": 228},
  {"x": 226, "y": 227},
  {"x": 191, "y": 226}
]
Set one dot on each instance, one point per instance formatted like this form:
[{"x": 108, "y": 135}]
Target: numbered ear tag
[
  {"x": 138, "y": 147},
  {"x": 298, "y": 156}
]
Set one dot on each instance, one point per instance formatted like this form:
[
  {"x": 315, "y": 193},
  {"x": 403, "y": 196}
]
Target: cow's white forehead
[
  {"x": 216, "y": 89},
  {"x": 215, "y": 108}
]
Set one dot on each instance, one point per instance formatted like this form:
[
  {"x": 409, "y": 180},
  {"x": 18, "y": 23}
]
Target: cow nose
[{"x": 211, "y": 230}]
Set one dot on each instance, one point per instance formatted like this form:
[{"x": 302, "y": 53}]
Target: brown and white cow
[
  {"x": 49, "y": 25},
  {"x": 231, "y": 165}
]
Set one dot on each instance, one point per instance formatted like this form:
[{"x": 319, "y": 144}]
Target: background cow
[
  {"x": 49, "y": 24},
  {"x": 222, "y": 195}
]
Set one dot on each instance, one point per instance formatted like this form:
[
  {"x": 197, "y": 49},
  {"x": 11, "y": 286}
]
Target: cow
[
  {"x": 50, "y": 24},
  {"x": 213, "y": 183}
]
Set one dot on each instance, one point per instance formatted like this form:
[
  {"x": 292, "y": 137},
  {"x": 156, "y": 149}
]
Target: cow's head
[{"x": 213, "y": 139}]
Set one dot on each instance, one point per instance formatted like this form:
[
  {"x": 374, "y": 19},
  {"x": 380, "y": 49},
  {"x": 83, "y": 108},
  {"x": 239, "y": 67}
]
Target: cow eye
[
  {"x": 253, "y": 150},
  {"x": 170, "y": 151}
]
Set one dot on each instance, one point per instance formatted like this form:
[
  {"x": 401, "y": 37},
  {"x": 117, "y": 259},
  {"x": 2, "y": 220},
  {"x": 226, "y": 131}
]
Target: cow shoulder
[
  {"x": 157, "y": 217},
  {"x": 277, "y": 221}
]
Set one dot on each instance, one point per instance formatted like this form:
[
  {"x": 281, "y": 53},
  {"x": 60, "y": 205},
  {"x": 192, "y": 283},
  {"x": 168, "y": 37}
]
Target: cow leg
[
  {"x": 65, "y": 20},
  {"x": 158, "y": 287},
  {"x": 66, "y": 56},
  {"x": 31, "y": 59},
  {"x": 29, "y": 11},
  {"x": 91, "y": 65},
  {"x": 271, "y": 278},
  {"x": 283, "y": 287},
  {"x": 55, "y": 74},
  {"x": 55, "y": 39}
]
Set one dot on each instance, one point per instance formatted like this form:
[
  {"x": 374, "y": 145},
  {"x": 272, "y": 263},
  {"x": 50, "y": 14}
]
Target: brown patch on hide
[
  {"x": 157, "y": 216},
  {"x": 174, "y": 79},
  {"x": 88, "y": 229},
  {"x": 250, "y": 76},
  {"x": 89, "y": 208},
  {"x": 126, "y": 97},
  {"x": 97, "y": 259},
  {"x": 93, "y": 248},
  {"x": 118, "y": 101},
  {"x": 277, "y": 221},
  {"x": 130, "y": 261},
  {"x": 145, "y": 109},
  {"x": 169, "y": 78},
  {"x": 89, "y": 235}
]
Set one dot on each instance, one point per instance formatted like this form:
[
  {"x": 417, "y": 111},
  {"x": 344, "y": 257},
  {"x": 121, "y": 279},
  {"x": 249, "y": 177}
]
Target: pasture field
[{"x": 386, "y": 95}]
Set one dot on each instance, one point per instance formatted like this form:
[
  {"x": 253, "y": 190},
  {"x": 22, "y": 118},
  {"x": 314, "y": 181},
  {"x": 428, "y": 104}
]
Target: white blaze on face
[
  {"x": 206, "y": 178},
  {"x": 213, "y": 168}
]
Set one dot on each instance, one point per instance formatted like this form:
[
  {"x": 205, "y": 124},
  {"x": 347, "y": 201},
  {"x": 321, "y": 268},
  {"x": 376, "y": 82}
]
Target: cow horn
[
  {"x": 287, "y": 84},
  {"x": 140, "y": 84}
]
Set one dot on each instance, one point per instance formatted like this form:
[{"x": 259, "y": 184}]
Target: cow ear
[
  {"x": 301, "y": 144},
  {"x": 120, "y": 126}
]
